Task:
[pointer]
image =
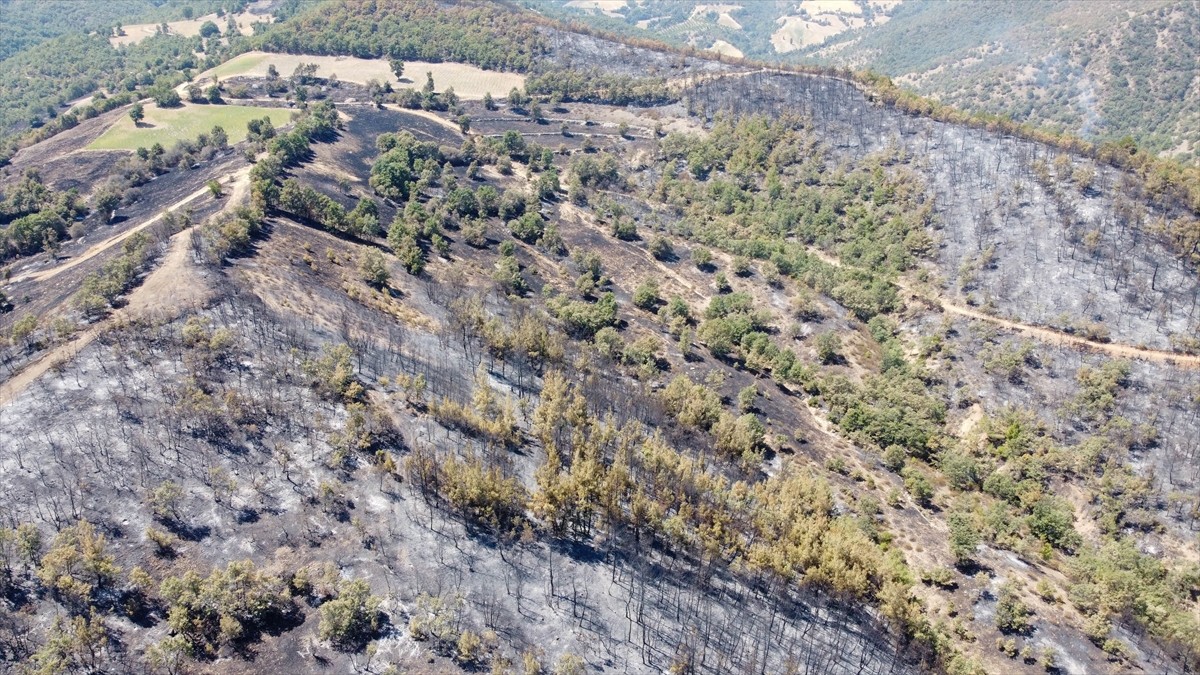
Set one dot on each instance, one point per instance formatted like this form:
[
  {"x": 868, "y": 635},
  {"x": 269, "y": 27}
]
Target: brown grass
[{"x": 469, "y": 82}]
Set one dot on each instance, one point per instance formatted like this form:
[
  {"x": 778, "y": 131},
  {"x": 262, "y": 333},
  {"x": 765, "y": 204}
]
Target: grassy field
[
  {"x": 169, "y": 125},
  {"x": 469, "y": 82}
]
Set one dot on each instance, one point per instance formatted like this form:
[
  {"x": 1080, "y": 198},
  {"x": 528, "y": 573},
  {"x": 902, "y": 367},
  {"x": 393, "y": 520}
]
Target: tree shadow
[{"x": 188, "y": 532}]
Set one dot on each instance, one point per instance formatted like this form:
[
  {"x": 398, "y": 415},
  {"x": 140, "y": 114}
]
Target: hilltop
[{"x": 1104, "y": 70}]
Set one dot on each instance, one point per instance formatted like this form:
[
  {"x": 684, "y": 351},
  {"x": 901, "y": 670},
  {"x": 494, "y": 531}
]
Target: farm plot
[
  {"x": 169, "y": 125},
  {"x": 469, "y": 82}
]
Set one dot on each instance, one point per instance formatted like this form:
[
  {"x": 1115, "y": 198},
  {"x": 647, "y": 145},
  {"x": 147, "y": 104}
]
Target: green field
[
  {"x": 239, "y": 65},
  {"x": 166, "y": 126}
]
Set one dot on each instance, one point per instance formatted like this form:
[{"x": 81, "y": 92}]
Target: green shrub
[{"x": 352, "y": 619}]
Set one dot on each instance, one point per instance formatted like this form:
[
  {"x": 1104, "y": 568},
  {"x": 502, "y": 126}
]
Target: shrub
[
  {"x": 917, "y": 484},
  {"x": 624, "y": 229},
  {"x": 529, "y": 228},
  {"x": 646, "y": 296},
  {"x": 661, "y": 248},
  {"x": 894, "y": 457},
  {"x": 373, "y": 268},
  {"x": 352, "y": 619},
  {"x": 828, "y": 346},
  {"x": 225, "y": 607},
  {"x": 1012, "y": 614}
]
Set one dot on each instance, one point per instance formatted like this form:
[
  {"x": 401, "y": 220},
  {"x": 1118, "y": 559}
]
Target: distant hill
[{"x": 1099, "y": 69}]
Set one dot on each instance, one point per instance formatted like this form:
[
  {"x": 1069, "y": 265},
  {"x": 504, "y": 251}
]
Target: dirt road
[
  {"x": 175, "y": 284},
  {"x": 96, "y": 249},
  {"x": 1040, "y": 333}
]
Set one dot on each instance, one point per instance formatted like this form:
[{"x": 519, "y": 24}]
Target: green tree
[
  {"x": 828, "y": 347},
  {"x": 917, "y": 484},
  {"x": 397, "y": 67},
  {"x": 78, "y": 563},
  {"x": 373, "y": 268},
  {"x": 964, "y": 537},
  {"x": 660, "y": 248},
  {"x": 352, "y": 619},
  {"x": 164, "y": 501},
  {"x": 1012, "y": 614},
  {"x": 137, "y": 113},
  {"x": 646, "y": 296}
]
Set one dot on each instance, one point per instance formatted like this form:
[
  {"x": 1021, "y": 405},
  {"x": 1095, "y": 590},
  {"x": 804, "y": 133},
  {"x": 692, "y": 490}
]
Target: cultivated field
[
  {"x": 609, "y": 7},
  {"x": 169, "y": 125},
  {"x": 469, "y": 82}
]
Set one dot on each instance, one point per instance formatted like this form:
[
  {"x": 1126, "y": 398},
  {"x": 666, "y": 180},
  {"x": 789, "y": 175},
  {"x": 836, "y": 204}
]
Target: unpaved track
[
  {"x": 174, "y": 285},
  {"x": 100, "y": 247},
  {"x": 1040, "y": 333},
  {"x": 1052, "y": 336}
]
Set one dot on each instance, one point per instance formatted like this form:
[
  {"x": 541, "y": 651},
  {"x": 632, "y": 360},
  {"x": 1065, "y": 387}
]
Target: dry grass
[
  {"x": 138, "y": 32},
  {"x": 469, "y": 82},
  {"x": 723, "y": 15},
  {"x": 723, "y": 47},
  {"x": 796, "y": 32},
  {"x": 816, "y": 7},
  {"x": 609, "y": 7}
]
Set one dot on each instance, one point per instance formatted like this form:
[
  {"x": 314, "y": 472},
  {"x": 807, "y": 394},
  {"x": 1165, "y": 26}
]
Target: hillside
[
  {"x": 442, "y": 338},
  {"x": 1100, "y": 69}
]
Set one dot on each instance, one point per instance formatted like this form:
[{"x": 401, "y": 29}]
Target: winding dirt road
[
  {"x": 174, "y": 284},
  {"x": 1040, "y": 333},
  {"x": 239, "y": 177}
]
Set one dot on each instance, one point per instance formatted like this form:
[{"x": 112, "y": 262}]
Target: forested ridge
[
  {"x": 1102, "y": 71},
  {"x": 469, "y": 32}
]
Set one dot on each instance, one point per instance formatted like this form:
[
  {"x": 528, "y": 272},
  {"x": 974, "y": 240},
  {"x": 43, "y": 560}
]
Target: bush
[
  {"x": 964, "y": 537},
  {"x": 373, "y": 268},
  {"x": 646, "y": 296},
  {"x": 917, "y": 484},
  {"x": 529, "y": 228},
  {"x": 740, "y": 436},
  {"x": 1012, "y": 615},
  {"x": 226, "y": 607},
  {"x": 351, "y": 620},
  {"x": 661, "y": 248},
  {"x": 608, "y": 342},
  {"x": 642, "y": 352},
  {"x": 624, "y": 229},
  {"x": 692, "y": 404},
  {"x": 894, "y": 457},
  {"x": 828, "y": 346}
]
